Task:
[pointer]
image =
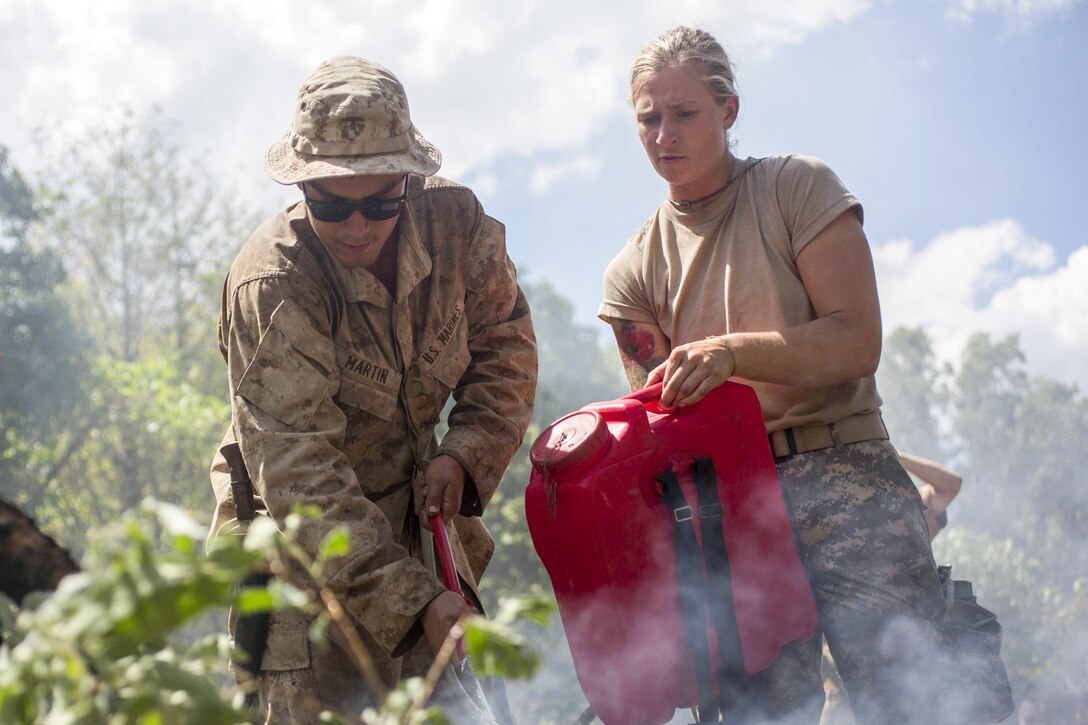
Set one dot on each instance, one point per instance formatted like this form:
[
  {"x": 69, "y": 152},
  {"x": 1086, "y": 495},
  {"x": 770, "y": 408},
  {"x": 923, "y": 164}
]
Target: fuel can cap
[{"x": 571, "y": 441}]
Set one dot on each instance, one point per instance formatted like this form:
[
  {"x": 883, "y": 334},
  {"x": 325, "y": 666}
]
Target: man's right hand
[
  {"x": 441, "y": 614},
  {"x": 439, "y": 490}
]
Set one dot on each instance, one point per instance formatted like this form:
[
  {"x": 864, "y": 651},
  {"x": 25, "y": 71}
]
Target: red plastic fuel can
[{"x": 606, "y": 538}]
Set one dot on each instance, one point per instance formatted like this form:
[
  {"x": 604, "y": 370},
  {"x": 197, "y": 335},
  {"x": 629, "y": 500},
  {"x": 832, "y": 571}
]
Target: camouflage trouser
[
  {"x": 865, "y": 545},
  {"x": 297, "y": 687},
  {"x": 299, "y": 679},
  {"x": 302, "y": 681}
]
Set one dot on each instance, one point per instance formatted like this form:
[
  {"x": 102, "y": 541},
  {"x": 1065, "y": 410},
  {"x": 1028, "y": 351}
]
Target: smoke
[{"x": 625, "y": 631}]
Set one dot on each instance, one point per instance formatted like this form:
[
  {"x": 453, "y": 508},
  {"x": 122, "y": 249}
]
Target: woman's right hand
[{"x": 692, "y": 370}]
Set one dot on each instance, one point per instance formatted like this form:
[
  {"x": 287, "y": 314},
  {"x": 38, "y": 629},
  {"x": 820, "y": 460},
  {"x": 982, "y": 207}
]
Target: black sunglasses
[{"x": 376, "y": 210}]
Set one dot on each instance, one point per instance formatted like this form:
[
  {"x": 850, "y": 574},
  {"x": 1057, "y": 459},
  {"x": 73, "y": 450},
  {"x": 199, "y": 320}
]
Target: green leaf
[
  {"x": 285, "y": 594},
  {"x": 430, "y": 716},
  {"x": 174, "y": 519},
  {"x": 263, "y": 536},
  {"x": 534, "y": 609},
  {"x": 253, "y": 600},
  {"x": 336, "y": 543},
  {"x": 229, "y": 562},
  {"x": 210, "y": 647},
  {"x": 497, "y": 650},
  {"x": 299, "y": 513},
  {"x": 319, "y": 629}
]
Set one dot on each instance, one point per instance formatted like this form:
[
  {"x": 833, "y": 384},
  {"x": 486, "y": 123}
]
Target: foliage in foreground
[
  {"x": 98, "y": 650},
  {"x": 102, "y": 649}
]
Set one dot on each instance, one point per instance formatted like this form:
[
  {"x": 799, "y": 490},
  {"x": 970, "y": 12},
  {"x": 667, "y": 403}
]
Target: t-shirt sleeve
[
  {"x": 625, "y": 293},
  {"x": 811, "y": 196}
]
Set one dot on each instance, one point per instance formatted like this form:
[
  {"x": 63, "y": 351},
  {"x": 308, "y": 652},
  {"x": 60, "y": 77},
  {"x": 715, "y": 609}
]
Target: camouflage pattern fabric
[
  {"x": 864, "y": 543},
  {"x": 295, "y": 690},
  {"x": 351, "y": 117},
  {"x": 336, "y": 389}
]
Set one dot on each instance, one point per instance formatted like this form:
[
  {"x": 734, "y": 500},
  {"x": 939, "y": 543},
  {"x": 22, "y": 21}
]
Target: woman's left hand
[{"x": 693, "y": 370}]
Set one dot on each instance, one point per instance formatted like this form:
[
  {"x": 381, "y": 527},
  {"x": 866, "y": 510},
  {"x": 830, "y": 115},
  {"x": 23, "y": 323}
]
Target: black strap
[
  {"x": 241, "y": 487},
  {"x": 250, "y": 630},
  {"x": 250, "y": 638},
  {"x": 791, "y": 442},
  {"x": 689, "y": 574},
  {"x": 735, "y": 688}
]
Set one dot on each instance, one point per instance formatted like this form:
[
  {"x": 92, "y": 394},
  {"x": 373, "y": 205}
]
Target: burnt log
[{"x": 30, "y": 560}]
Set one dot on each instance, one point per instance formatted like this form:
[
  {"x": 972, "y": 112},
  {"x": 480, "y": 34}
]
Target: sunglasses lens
[
  {"x": 382, "y": 210},
  {"x": 336, "y": 211},
  {"x": 329, "y": 211}
]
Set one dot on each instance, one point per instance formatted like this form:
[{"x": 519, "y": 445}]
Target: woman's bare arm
[
  {"x": 643, "y": 346},
  {"x": 841, "y": 344}
]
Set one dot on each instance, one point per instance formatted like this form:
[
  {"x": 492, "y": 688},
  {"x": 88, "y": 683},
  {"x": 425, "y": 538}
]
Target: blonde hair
[{"x": 693, "y": 48}]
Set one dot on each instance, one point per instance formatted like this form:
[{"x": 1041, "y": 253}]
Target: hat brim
[{"x": 288, "y": 166}]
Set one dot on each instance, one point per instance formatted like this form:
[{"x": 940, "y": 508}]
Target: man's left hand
[{"x": 439, "y": 489}]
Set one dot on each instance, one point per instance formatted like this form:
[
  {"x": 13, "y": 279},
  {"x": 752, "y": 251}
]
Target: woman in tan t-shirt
[{"x": 758, "y": 270}]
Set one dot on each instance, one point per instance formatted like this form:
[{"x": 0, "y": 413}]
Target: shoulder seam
[
  {"x": 778, "y": 197},
  {"x": 263, "y": 275},
  {"x": 443, "y": 184}
]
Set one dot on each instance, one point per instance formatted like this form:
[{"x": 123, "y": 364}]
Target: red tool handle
[
  {"x": 651, "y": 394},
  {"x": 445, "y": 555},
  {"x": 449, "y": 569}
]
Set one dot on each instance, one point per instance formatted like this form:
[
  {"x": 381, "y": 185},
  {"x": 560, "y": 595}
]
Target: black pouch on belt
[
  {"x": 978, "y": 685},
  {"x": 250, "y": 630}
]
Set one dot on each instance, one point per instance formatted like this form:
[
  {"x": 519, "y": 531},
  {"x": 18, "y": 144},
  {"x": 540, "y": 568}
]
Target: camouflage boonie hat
[{"x": 351, "y": 118}]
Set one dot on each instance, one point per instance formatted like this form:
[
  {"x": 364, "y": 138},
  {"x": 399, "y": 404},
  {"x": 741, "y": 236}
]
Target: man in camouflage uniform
[{"x": 347, "y": 321}]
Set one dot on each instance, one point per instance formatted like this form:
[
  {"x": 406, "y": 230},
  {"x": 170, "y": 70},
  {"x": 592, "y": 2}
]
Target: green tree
[
  {"x": 148, "y": 432},
  {"x": 989, "y": 387},
  {"x": 147, "y": 234},
  {"x": 1051, "y": 420},
  {"x": 908, "y": 380},
  {"x": 41, "y": 349},
  {"x": 42, "y": 369},
  {"x": 17, "y": 202},
  {"x": 575, "y": 369},
  {"x": 1019, "y": 525}
]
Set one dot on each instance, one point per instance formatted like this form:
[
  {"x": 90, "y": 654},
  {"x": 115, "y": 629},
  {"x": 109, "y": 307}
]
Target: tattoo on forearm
[{"x": 637, "y": 353}]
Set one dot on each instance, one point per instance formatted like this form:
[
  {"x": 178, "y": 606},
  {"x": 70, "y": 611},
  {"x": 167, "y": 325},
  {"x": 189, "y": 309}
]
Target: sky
[{"x": 957, "y": 123}]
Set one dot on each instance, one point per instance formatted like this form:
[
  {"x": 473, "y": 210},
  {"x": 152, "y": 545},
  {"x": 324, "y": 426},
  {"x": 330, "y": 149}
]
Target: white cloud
[
  {"x": 487, "y": 79},
  {"x": 447, "y": 30},
  {"x": 306, "y": 33},
  {"x": 1050, "y": 311},
  {"x": 1017, "y": 13},
  {"x": 486, "y": 186},
  {"x": 750, "y": 25},
  {"x": 78, "y": 59},
  {"x": 993, "y": 278},
  {"x": 581, "y": 169}
]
